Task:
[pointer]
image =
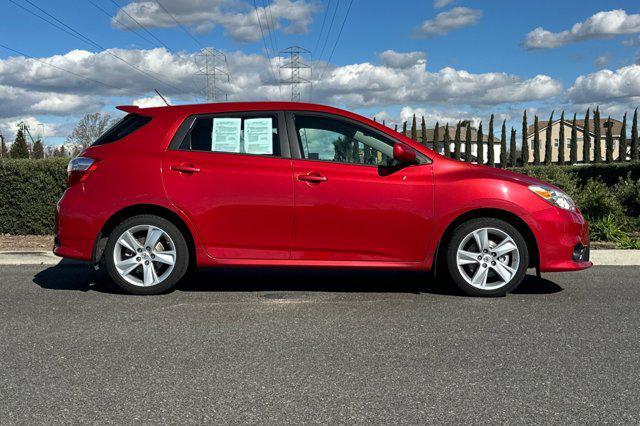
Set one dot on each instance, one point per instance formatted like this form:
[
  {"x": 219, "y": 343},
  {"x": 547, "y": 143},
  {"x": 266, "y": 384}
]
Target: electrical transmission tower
[
  {"x": 212, "y": 66},
  {"x": 296, "y": 64}
]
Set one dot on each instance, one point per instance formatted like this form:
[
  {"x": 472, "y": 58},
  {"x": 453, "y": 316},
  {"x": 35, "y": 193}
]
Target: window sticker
[
  {"x": 225, "y": 135},
  {"x": 258, "y": 138}
]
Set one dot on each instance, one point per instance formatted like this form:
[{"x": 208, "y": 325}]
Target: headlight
[{"x": 554, "y": 196}]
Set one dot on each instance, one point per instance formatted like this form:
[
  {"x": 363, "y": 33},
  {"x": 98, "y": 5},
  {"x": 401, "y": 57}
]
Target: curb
[{"x": 598, "y": 257}]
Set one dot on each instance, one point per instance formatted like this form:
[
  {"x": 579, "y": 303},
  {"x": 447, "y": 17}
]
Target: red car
[{"x": 302, "y": 185}]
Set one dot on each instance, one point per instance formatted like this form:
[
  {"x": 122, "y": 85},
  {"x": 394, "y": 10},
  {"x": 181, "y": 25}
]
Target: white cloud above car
[{"x": 445, "y": 22}]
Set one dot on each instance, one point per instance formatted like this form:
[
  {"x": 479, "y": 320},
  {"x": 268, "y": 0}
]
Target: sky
[{"x": 445, "y": 60}]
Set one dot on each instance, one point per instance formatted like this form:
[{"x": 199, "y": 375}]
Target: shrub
[
  {"x": 608, "y": 229},
  {"x": 628, "y": 192},
  {"x": 596, "y": 200},
  {"x": 610, "y": 174},
  {"x": 554, "y": 175},
  {"x": 29, "y": 190}
]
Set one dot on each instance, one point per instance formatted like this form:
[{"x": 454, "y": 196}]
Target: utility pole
[
  {"x": 295, "y": 64},
  {"x": 212, "y": 65}
]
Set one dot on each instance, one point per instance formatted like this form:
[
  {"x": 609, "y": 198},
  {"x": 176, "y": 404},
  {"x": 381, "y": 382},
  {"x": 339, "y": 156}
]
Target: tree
[
  {"x": 395, "y": 127},
  {"x": 597, "y": 137},
  {"x": 436, "y": 137},
  {"x": 404, "y": 128},
  {"x": 38, "y": 149},
  {"x": 608, "y": 142},
  {"x": 573, "y": 148},
  {"x": 503, "y": 145},
  {"x": 536, "y": 142},
  {"x": 480, "y": 144},
  {"x": 467, "y": 144},
  {"x": 561, "y": 142},
  {"x": 490, "y": 153},
  {"x": 4, "y": 152},
  {"x": 414, "y": 129},
  {"x": 622, "y": 143},
  {"x": 512, "y": 148},
  {"x": 447, "y": 141},
  {"x": 525, "y": 139},
  {"x": 423, "y": 127},
  {"x": 548, "y": 143},
  {"x": 19, "y": 148},
  {"x": 634, "y": 136},
  {"x": 586, "y": 144},
  {"x": 89, "y": 128},
  {"x": 456, "y": 143}
]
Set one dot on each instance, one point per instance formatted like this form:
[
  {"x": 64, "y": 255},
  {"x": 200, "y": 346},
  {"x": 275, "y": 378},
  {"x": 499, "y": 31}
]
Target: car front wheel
[
  {"x": 146, "y": 254},
  {"x": 487, "y": 257}
]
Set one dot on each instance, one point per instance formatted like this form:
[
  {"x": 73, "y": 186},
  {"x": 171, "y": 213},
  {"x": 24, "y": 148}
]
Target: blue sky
[{"x": 477, "y": 57}]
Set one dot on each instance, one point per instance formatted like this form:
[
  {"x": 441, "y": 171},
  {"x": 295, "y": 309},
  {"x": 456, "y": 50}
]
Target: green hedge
[
  {"x": 29, "y": 191},
  {"x": 610, "y": 173}
]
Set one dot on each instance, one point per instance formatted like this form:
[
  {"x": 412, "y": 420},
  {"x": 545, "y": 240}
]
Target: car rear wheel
[
  {"x": 146, "y": 254},
  {"x": 487, "y": 257}
]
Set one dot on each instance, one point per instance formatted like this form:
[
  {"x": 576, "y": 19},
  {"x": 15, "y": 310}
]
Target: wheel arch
[
  {"x": 139, "y": 209},
  {"x": 507, "y": 216}
]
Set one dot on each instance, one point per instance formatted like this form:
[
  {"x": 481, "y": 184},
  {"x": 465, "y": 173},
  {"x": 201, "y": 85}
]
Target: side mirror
[{"x": 403, "y": 154}]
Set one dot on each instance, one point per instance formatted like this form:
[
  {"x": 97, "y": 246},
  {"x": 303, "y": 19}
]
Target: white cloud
[
  {"x": 601, "y": 61},
  {"x": 238, "y": 18},
  {"x": 153, "y": 101},
  {"x": 602, "y": 24},
  {"x": 622, "y": 85},
  {"x": 442, "y": 117},
  {"x": 393, "y": 59},
  {"x": 439, "y": 4},
  {"x": 445, "y": 22}
]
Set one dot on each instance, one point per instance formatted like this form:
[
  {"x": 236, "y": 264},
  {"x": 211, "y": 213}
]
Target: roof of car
[{"x": 233, "y": 106}]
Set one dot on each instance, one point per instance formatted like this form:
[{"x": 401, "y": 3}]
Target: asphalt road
[{"x": 318, "y": 346}]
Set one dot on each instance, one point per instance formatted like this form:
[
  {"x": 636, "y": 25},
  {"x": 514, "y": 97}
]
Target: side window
[
  {"x": 328, "y": 139},
  {"x": 127, "y": 125},
  {"x": 257, "y": 135}
]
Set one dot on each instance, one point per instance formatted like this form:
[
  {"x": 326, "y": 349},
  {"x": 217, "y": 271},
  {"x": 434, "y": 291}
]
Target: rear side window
[
  {"x": 129, "y": 124},
  {"x": 256, "y": 135}
]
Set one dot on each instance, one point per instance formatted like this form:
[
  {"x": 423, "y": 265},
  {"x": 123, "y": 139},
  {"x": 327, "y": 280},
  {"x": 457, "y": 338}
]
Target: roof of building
[{"x": 617, "y": 126}]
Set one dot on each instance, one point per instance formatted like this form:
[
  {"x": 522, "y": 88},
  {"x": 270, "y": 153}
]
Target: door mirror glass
[{"x": 403, "y": 154}]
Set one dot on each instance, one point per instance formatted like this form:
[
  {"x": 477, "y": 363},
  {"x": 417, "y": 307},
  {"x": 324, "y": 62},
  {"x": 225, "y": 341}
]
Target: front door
[
  {"x": 353, "y": 202},
  {"x": 230, "y": 173}
]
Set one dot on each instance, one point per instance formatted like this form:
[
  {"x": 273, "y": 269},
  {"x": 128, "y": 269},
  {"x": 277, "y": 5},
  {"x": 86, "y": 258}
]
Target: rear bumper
[
  {"x": 74, "y": 232},
  {"x": 563, "y": 241}
]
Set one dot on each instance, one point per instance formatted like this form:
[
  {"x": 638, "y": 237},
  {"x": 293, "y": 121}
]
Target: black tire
[
  {"x": 181, "y": 261},
  {"x": 462, "y": 231}
]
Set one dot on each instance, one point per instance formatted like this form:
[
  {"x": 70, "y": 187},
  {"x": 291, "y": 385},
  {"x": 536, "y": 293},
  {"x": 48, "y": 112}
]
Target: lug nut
[
  {"x": 484, "y": 265},
  {"x": 493, "y": 263},
  {"x": 148, "y": 248},
  {"x": 153, "y": 256},
  {"x": 146, "y": 262},
  {"x": 139, "y": 250},
  {"x": 485, "y": 251},
  {"x": 479, "y": 257},
  {"x": 138, "y": 259},
  {"x": 493, "y": 254}
]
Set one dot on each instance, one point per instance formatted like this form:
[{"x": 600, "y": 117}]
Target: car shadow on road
[{"x": 75, "y": 277}]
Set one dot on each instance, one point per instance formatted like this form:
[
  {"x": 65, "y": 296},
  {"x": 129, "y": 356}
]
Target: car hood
[{"x": 506, "y": 175}]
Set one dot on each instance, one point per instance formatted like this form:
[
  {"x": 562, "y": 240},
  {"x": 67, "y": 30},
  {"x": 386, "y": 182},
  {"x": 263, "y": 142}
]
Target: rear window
[{"x": 129, "y": 124}]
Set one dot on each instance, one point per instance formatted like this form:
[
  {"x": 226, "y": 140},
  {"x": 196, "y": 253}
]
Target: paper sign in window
[
  {"x": 225, "y": 135},
  {"x": 258, "y": 137}
]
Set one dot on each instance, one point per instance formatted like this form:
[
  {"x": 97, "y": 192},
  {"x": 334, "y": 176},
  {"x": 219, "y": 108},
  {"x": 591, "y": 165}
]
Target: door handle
[
  {"x": 312, "y": 178},
  {"x": 185, "y": 168}
]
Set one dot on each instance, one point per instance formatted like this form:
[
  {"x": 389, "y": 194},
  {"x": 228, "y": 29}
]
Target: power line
[
  {"x": 295, "y": 64},
  {"x": 324, "y": 18},
  {"x": 346, "y": 15},
  {"x": 86, "y": 39},
  {"x": 60, "y": 68},
  {"x": 333, "y": 17},
  {"x": 120, "y": 22},
  {"x": 141, "y": 26},
  {"x": 270, "y": 26},
  {"x": 180, "y": 24},
  {"x": 255, "y": 6}
]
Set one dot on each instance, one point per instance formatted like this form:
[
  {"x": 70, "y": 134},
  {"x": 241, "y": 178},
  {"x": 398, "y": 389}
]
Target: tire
[
  {"x": 480, "y": 273},
  {"x": 151, "y": 271}
]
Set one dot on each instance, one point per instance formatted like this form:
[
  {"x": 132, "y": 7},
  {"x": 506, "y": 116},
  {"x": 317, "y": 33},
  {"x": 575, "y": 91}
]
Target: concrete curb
[{"x": 598, "y": 257}]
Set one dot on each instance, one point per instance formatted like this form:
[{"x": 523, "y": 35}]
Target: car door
[
  {"x": 231, "y": 174},
  {"x": 353, "y": 202}
]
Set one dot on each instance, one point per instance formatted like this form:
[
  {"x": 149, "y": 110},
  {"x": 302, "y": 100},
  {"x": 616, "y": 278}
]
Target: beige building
[
  {"x": 555, "y": 138},
  {"x": 463, "y": 132}
]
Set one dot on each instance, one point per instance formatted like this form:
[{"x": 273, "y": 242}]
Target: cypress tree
[
  {"x": 480, "y": 148},
  {"x": 414, "y": 129},
  {"x": 609, "y": 141},
  {"x": 62, "y": 152},
  {"x": 436, "y": 136},
  {"x": 456, "y": 143},
  {"x": 447, "y": 141},
  {"x": 503, "y": 145},
  {"x": 19, "y": 148},
  {"x": 404, "y": 128},
  {"x": 424, "y": 132},
  {"x": 467, "y": 144},
  {"x": 548, "y": 144},
  {"x": 4, "y": 152},
  {"x": 586, "y": 144},
  {"x": 512, "y": 148},
  {"x": 38, "y": 149},
  {"x": 561, "y": 142},
  {"x": 525, "y": 140},
  {"x": 622, "y": 143},
  {"x": 597, "y": 137},
  {"x": 536, "y": 142},
  {"x": 384, "y": 123},
  {"x": 634, "y": 136},
  {"x": 573, "y": 149},
  {"x": 395, "y": 127},
  {"x": 490, "y": 153}
]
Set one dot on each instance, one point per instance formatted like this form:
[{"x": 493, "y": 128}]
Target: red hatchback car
[{"x": 294, "y": 184}]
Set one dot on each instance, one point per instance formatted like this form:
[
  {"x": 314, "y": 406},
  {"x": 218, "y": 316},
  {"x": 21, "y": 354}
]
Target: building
[{"x": 555, "y": 137}]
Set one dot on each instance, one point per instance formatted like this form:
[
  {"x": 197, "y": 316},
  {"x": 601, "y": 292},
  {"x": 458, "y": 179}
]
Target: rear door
[
  {"x": 231, "y": 174},
  {"x": 353, "y": 202}
]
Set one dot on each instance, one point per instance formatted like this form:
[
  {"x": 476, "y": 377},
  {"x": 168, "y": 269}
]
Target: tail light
[{"x": 79, "y": 168}]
